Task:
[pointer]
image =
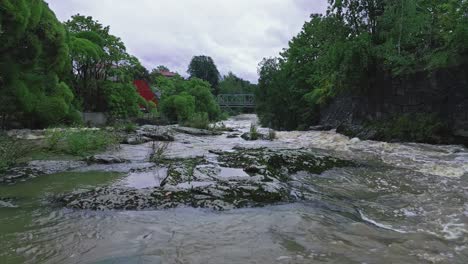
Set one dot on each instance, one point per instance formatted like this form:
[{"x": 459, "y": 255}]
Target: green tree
[
  {"x": 232, "y": 84},
  {"x": 372, "y": 41},
  {"x": 33, "y": 66},
  {"x": 203, "y": 67},
  {"x": 102, "y": 70}
]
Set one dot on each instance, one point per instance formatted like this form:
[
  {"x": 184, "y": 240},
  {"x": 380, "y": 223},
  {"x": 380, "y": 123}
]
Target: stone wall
[
  {"x": 443, "y": 93},
  {"x": 95, "y": 118}
]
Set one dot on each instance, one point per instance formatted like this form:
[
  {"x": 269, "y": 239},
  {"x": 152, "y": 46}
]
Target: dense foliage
[
  {"x": 184, "y": 100},
  {"x": 203, "y": 67},
  {"x": 103, "y": 71},
  {"x": 369, "y": 39},
  {"x": 33, "y": 64},
  {"x": 231, "y": 84}
]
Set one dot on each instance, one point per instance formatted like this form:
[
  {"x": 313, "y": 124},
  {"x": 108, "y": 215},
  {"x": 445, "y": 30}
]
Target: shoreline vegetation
[
  {"x": 391, "y": 70},
  {"x": 78, "y": 65}
]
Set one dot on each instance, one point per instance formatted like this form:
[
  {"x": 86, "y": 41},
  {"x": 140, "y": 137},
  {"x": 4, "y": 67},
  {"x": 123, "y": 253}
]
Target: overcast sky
[{"x": 237, "y": 34}]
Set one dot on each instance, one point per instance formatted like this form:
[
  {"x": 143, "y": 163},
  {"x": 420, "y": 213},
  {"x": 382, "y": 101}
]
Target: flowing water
[{"x": 405, "y": 203}]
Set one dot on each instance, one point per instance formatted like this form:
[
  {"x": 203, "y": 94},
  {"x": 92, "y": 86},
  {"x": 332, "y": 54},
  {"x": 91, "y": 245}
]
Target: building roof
[{"x": 167, "y": 73}]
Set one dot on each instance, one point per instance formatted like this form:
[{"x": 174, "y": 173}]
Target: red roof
[
  {"x": 145, "y": 91},
  {"x": 168, "y": 73}
]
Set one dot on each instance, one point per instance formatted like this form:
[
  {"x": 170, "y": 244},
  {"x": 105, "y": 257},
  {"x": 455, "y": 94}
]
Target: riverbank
[{"x": 303, "y": 197}]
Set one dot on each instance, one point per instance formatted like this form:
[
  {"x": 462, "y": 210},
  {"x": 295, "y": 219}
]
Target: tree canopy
[
  {"x": 33, "y": 65},
  {"x": 232, "y": 84},
  {"x": 370, "y": 38},
  {"x": 203, "y": 67},
  {"x": 102, "y": 70}
]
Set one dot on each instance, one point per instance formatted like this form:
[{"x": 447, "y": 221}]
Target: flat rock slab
[
  {"x": 106, "y": 159},
  {"x": 196, "y": 131},
  {"x": 156, "y": 133},
  {"x": 245, "y": 178},
  {"x": 37, "y": 168}
]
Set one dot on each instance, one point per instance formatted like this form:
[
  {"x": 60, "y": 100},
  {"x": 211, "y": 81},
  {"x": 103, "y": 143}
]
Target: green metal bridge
[{"x": 236, "y": 100}]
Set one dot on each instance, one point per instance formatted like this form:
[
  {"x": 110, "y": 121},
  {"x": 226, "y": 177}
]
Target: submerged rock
[{"x": 244, "y": 178}]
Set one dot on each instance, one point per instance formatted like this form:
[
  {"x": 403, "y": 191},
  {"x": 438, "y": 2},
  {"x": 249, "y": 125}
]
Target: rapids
[{"x": 402, "y": 203}]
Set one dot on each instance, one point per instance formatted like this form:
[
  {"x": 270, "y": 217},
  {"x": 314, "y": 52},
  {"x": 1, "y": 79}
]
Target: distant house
[
  {"x": 145, "y": 91},
  {"x": 167, "y": 74}
]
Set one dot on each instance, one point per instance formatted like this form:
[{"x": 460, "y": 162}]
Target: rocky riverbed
[{"x": 182, "y": 195}]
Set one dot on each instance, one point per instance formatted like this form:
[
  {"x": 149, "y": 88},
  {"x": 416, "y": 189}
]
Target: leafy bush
[
  {"x": 10, "y": 152},
  {"x": 416, "y": 127},
  {"x": 198, "y": 120},
  {"x": 122, "y": 99},
  {"x": 178, "y": 107},
  {"x": 79, "y": 142},
  {"x": 182, "y": 98}
]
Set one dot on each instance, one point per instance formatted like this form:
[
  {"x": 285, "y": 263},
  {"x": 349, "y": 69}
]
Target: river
[{"x": 400, "y": 203}]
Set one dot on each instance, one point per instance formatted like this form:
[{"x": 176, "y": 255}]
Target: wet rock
[
  {"x": 321, "y": 128},
  {"x": 7, "y": 203},
  {"x": 280, "y": 164},
  {"x": 155, "y": 133},
  {"x": 37, "y": 168},
  {"x": 246, "y": 178},
  {"x": 233, "y": 136},
  {"x": 216, "y": 151},
  {"x": 106, "y": 159},
  {"x": 196, "y": 131},
  {"x": 136, "y": 140},
  {"x": 258, "y": 136},
  {"x": 26, "y": 134}
]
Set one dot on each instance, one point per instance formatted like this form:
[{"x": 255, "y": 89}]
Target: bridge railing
[{"x": 236, "y": 100}]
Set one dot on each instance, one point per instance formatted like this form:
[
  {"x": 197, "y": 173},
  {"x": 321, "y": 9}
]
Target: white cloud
[{"x": 237, "y": 34}]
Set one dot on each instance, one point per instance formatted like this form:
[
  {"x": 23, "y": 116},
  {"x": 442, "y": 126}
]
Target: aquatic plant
[
  {"x": 159, "y": 150},
  {"x": 254, "y": 135}
]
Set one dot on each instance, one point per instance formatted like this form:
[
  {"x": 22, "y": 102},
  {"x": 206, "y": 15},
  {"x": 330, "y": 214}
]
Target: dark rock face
[
  {"x": 244, "y": 178},
  {"x": 442, "y": 93}
]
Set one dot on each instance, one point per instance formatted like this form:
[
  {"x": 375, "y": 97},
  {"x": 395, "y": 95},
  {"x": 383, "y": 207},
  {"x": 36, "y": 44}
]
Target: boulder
[
  {"x": 155, "y": 133},
  {"x": 258, "y": 136}
]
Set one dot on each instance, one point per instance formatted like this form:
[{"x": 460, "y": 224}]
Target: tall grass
[
  {"x": 79, "y": 142},
  {"x": 11, "y": 150},
  {"x": 159, "y": 150},
  {"x": 254, "y": 135}
]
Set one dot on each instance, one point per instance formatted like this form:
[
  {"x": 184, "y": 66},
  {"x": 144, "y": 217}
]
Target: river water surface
[{"x": 404, "y": 203}]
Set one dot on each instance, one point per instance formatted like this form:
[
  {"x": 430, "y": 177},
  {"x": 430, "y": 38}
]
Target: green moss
[
  {"x": 411, "y": 127},
  {"x": 280, "y": 164}
]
